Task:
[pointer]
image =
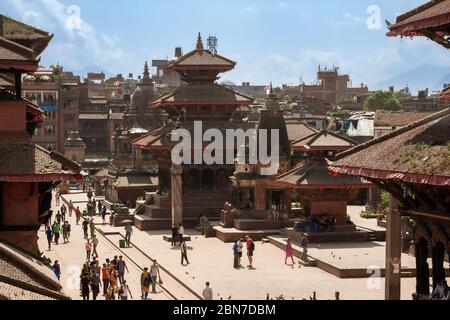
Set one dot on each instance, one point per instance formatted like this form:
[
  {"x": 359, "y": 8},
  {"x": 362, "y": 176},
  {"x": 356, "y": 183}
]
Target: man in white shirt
[
  {"x": 207, "y": 292},
  {"x": 154, "y": 272}
]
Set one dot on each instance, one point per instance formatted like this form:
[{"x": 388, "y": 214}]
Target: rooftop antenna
[{"x": 212, "y": 43}]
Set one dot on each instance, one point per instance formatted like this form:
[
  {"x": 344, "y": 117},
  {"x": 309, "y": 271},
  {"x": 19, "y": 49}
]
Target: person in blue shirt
[
  {"x": 49, "y": 234},
  {"x": 57, "y": 269}
]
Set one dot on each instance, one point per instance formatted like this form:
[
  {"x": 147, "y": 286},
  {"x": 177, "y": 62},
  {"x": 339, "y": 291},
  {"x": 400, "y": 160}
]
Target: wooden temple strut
[{"x": 430, "y": 215}]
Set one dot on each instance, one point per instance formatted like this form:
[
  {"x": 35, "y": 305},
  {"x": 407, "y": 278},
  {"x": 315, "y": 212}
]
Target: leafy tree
[{"x": 383, "y": 100}]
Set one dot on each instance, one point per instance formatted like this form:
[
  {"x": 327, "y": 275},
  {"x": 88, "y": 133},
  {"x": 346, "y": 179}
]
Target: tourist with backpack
[
  {"x": 250, "y": 251},
  {"x": 146, "y": 280}
]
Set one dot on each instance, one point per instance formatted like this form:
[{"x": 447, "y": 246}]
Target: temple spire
[
  {"x": 146, "y": 77},
  {"x": 199, "y": 42},
  {"x": 272, "y": 100}
]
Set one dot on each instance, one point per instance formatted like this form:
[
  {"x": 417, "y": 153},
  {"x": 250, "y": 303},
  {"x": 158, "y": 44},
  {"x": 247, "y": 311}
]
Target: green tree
[{"x": 383, "y": 100}]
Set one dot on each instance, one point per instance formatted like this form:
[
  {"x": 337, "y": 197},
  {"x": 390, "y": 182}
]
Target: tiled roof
[
  {"x": 26, "y": 159},
  {"x": 297, "y": 131},
  {"x": 315, "y": 174},
  {"x": 432, "y": 14},
  {"x": 198, "y": 94},
  {"x": 13, "y": 51},
  {"x": 397, "y": 119},
  {"x": 23, "y": 277},
  {"x": 323, "y": 140},
  {"x": 135, "y": 181},
  {"x": 418, "y": 153}
]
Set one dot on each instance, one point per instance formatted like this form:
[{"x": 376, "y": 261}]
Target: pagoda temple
[
  {"x": 253, "y": 192},
  {"x": 28, "y": 173},
  {"x": 324, "y": 197},
  {"x": 185, "y": 192}
]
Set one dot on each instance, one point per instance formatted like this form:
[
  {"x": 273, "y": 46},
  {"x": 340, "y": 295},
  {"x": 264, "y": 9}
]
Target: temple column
[
  {"x": 138, "y": 159},
  {"x": 438, "y": 254},
  {"x": 422, "y": 268},
  {"x": 393, "y": 252},
  {"x": 177, "y": 194}
]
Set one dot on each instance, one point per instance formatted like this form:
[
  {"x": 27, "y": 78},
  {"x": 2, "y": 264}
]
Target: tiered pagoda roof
[
  {"x": 417, "y": 153},
  {"x": 201, "y": 59},
  {"x": 323, "y": 141},
  {"x": 431, "y": 20},
  {"x": 16, "y": 56},
  {"x": 30, "y": 37},
  {"x": 315, "y": 175}
]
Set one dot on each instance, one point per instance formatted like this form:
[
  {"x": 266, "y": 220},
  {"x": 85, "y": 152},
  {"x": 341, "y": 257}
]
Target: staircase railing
[{"x": 140, "y": 210}]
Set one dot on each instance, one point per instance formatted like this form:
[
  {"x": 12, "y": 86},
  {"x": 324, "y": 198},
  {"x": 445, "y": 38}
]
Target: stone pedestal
[
  {"x": 393, "y": 252},
  {"x": 177, "y": 194}
]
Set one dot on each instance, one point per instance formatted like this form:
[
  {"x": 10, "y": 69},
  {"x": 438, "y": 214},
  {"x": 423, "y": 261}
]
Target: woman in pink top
[{"x": 289, "y": 251}]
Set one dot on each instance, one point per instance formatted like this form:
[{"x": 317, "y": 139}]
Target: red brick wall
[
  {"x": 12, "y": 119},
  {"x": 335, "y": 208}
]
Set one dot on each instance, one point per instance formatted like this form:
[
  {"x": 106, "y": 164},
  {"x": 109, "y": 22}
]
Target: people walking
[
  {"x": 49, "y": 234},
  {"x": 94, "y": 246},
  {"x": 250, "y": 251},
  {"x": 66, "y": 231},
  {"x": 180, "y": 233},
  {"x": 207, "y": 292},
  {"x": 121, "y": 267},
  {"x": 92, "y": 228},
  {"x": 174, "y": 235},
  {"x": 114, "y": 279},
  {"x": 85, "y": 226},
  {"x": 289, "y": 252},
  {"x": 63, "y": 212},
  {"x": 304, "y": 244},
  {"x": 56, "y": 228},
  {"x": 85, "y": 283},
  {"x": 240, "y": 251},
  {"x": 124, "y": 291},
  {"x": 128, "y": 233},
  {"x": 105, "y": 278},
  {"x": 99, "y": 207},
  {"x": 57, "y": 269},
  {"x": 88, "y": 248},
  {"x": 70, "y": 208},
  {"x": 58, "y": 217},
  {"x": 103, "y": 212},
  {"x": 184, "y": 253},
  {"x": 154, "y": 272},
  {"x": 146, "y": 280},
  {"x": 78, "y": 215},
  {"x": 57, "y": 196},
  {"x": 95, "y": 285}
]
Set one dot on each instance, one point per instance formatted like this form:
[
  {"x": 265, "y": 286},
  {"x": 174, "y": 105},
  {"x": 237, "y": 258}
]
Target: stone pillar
[
  {"x": 393, "y": 252},
  {"x": 177, "y": 194},
  {"x": 138, "y": 159}
]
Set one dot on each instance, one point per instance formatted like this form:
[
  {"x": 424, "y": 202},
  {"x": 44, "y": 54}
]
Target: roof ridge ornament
[
  {"x": 200, "y": 43},
  {"x": 146, "y": 75}
]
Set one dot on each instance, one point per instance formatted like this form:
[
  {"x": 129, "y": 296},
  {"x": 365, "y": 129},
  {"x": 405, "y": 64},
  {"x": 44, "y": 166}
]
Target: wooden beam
[
  {"x": 431, "y": 215},
  {"x": 421, "y": 195}
]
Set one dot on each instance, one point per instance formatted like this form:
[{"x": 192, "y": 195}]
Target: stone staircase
[{"x": 156, "y": 213}]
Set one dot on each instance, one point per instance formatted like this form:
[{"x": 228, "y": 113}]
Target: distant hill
[{"x": 419, "y": 78}]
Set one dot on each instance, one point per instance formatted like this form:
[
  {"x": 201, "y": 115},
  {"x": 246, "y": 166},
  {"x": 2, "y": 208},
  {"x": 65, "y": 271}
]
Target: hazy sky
[{"x": 271, "y": 40}]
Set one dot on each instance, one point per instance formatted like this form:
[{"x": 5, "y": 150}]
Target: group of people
[
  {"x": 178, "y": 237},
  {"x": 238, "y": 249},
  {"x": 150, "y": 277},
  {"x": 59, "y": 226},
  {"x": 110, "y": 277},
  {"x": 278, "y": 210},
  {"x": 290, "y": 251},
  {"x": 442, "y": 291}
]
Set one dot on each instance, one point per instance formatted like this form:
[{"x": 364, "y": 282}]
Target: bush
[{"x": 369, "y": 215}]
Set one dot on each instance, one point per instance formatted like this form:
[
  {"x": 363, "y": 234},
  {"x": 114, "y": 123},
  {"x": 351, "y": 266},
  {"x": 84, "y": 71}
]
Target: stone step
[{"x": 145, "y": 223}]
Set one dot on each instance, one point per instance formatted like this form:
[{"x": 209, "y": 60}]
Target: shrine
[{"x": 186, "y": 192}]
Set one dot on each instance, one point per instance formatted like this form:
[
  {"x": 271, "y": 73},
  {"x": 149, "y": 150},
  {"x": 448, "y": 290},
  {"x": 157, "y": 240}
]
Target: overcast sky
[{"x": 271, "y": 40}]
